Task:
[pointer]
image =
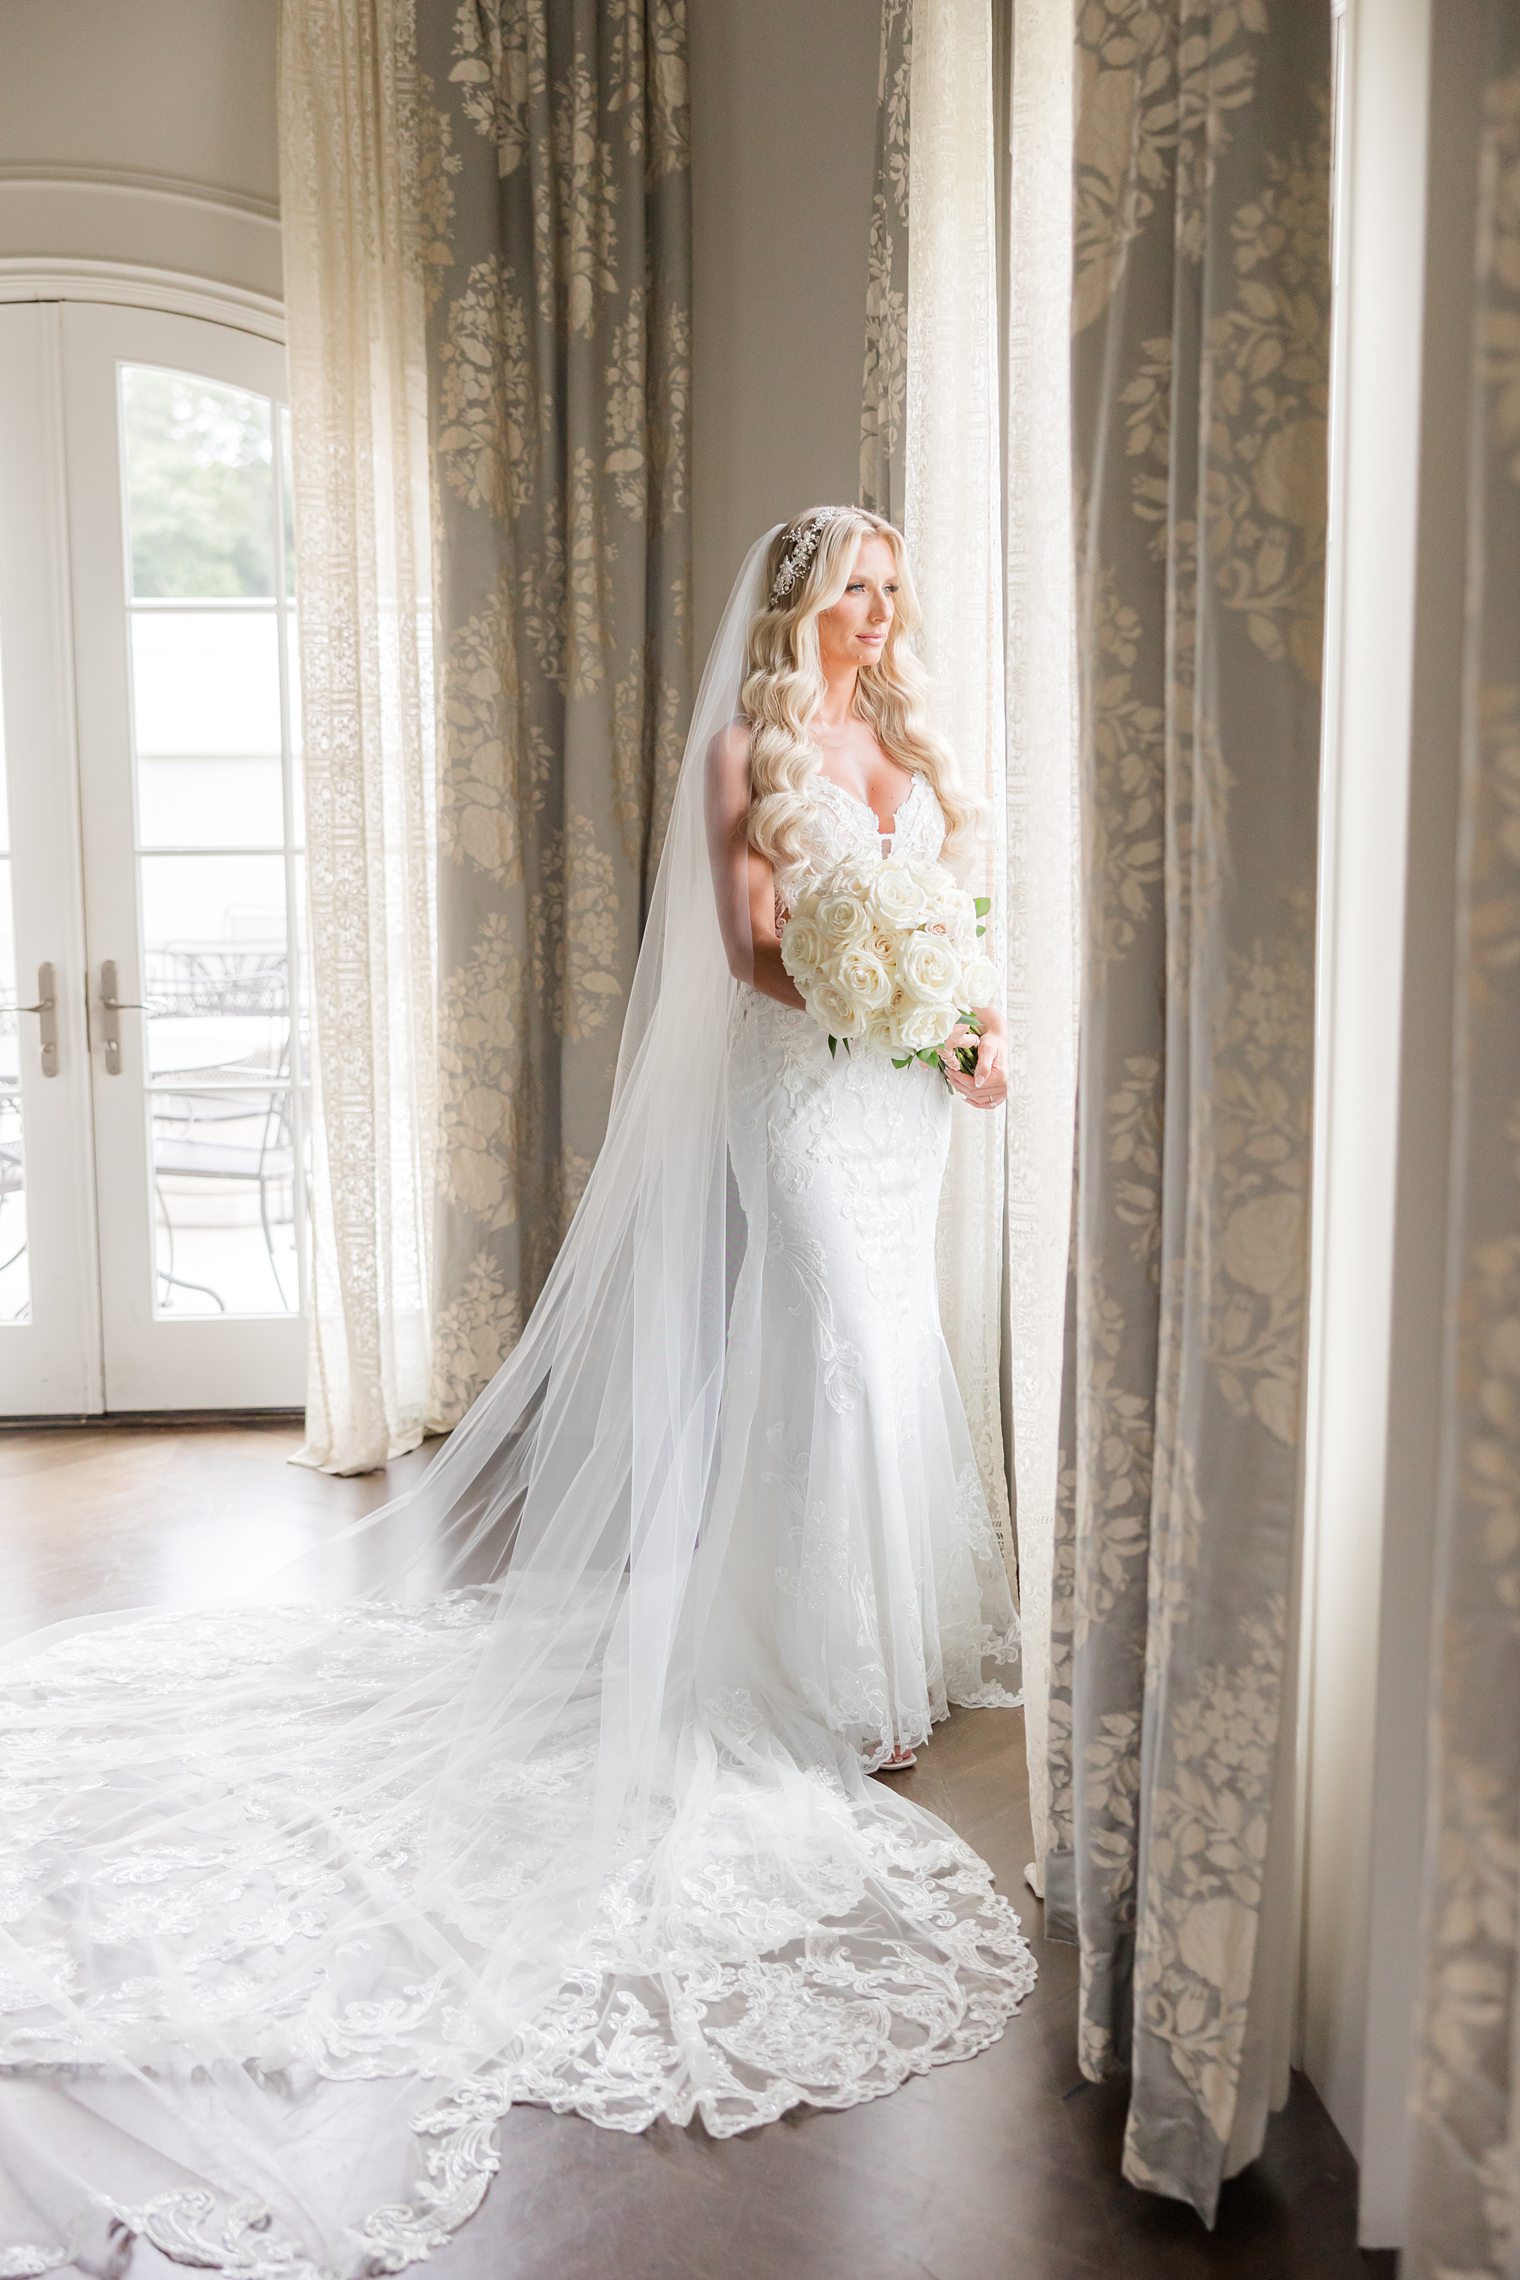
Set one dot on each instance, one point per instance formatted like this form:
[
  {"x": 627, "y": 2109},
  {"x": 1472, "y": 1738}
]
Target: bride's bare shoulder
[
  {"x": 728, "y": 758},
  {"x": 730, "y": 747}
]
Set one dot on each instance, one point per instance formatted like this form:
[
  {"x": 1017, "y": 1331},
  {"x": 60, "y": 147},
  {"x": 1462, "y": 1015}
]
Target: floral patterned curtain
[
  {"x": 555, "y": 177},
  {"x": 1465, "y": 2194},
  {"x": 1200, "y": 363}
]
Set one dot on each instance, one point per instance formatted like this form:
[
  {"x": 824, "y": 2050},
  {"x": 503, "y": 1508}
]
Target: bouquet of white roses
[{"x": 888, "y": 954}]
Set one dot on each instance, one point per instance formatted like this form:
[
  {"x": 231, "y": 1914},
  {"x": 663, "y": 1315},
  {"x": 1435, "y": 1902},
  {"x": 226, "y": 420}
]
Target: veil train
[{"x": 488, "y": 1798}]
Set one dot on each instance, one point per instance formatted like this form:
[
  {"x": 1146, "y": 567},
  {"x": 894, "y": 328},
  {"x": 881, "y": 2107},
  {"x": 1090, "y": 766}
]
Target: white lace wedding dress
[
  {"x": 864, "y": 1564},
  {"x": 298, "y": 1899}
]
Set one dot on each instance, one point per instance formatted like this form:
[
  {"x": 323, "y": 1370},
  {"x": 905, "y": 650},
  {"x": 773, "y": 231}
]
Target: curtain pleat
[
  {"x": 555, "y": 202},
  {"x": 1041, "y": 794},
  {"x": 1464, "y": 2221},
  {"x": 1200, "y": 317},
  {"x": 884, "y": 388},
  {"x": 349, "y": 159}
]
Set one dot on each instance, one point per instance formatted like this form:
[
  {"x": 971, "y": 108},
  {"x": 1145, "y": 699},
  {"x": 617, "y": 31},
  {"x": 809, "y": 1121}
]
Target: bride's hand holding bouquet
[{"x": 888, "y": 955}]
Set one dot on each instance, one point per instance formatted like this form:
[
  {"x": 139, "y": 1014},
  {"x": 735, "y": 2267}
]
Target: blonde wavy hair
[{"x": 784, "y": 688}]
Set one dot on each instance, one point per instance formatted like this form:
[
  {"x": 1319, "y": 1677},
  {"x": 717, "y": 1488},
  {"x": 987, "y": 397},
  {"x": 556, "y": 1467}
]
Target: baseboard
[{"x": 112, "y": 1418}]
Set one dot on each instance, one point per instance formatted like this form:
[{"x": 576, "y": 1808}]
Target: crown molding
[
  {"x": 26, "y": 175},
  {"x": 127, "y": 284}
]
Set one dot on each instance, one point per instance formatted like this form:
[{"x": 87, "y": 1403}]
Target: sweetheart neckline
[{"x": 855, "y": 800}]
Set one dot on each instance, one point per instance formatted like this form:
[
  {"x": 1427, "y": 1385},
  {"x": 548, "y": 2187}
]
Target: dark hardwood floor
[{"x": 1003, "y": 2168}]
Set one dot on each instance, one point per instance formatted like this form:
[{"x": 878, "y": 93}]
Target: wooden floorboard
[{"x": 1005, "y": 2167}]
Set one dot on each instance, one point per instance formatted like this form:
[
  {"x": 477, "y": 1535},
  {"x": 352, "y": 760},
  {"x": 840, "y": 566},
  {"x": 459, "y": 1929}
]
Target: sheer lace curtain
[
  {"x": 986, "y": 505},
  {"x": 951, "y": 517},
  {"x": 1041, "y": 802},
  {"x": 358, "y": 390}
]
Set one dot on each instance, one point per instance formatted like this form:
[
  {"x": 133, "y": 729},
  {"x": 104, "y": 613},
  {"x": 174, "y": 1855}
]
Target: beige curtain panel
[
  {"x": 556, "y": 250},
  {"x": 1200, "y": 313},
  {"x": 358, "y": 392},
  {"x": 1465, "y": 2194}
]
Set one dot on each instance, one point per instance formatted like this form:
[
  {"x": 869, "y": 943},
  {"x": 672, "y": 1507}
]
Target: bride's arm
[{"x": 744, "y": 884}]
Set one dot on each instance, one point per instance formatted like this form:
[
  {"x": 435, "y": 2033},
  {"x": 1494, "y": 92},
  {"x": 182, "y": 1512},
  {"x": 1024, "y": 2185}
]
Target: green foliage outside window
[{"x": 200, "y": 487}]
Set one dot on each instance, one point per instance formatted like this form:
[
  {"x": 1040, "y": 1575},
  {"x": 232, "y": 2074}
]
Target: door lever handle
[
  {"x": 111, "y": 1005},
  {"x": 47, "y": 1006}
]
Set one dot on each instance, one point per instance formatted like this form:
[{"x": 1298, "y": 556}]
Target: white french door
[{"x": 153, "y": 1075}]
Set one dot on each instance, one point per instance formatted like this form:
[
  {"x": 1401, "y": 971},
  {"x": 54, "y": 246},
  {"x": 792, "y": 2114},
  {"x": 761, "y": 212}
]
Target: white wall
[
  {"x": 1375, "y": 457},
  {"x": 1405, "y": 258},
  {"x": 141, "y": 131},
  {"x": 1399, "y": 1787}
]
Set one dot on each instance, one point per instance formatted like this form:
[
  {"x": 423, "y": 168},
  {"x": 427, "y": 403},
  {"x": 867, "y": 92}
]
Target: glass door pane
[
  {"x": 192, "y": 856},
  {"x": 216, "y": 842}
]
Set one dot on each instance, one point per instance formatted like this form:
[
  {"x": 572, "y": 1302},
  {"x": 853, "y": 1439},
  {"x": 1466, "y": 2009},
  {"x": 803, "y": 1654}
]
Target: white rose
[
  {"x": 961, "y": 927},
  {"x": 922, "y": 1027},
  {"x": 801, "y": 945},
  {"x": 979, "y": 981},
  {"x": 940, "y": 892},
  {"x": 829, "y": 1005},
  {"x": 952, "y": 907},
  {"x": 842, "y": 920},
  {"x": 897, "y": 898},
  {"x": 887, "y": 1023},
  {"x": 928, "y": 969},
  {"x": 864, "y": 979}
]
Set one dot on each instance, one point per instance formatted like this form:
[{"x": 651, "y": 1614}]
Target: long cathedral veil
[{"x": 302, "y": 1891}]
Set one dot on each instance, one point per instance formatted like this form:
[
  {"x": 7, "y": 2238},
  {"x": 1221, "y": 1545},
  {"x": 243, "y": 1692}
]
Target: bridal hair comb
[{"x": 800, "y": 552}]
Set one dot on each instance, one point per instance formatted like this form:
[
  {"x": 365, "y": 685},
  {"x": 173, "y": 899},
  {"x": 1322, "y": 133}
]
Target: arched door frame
[{"x": 81, "y": 1386}]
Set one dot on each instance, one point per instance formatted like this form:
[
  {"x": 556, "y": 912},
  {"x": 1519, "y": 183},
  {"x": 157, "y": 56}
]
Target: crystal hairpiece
[{"x": 800, "y": 553}]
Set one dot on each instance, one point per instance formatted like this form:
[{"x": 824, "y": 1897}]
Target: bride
[{"x": 549, "y": 1781}]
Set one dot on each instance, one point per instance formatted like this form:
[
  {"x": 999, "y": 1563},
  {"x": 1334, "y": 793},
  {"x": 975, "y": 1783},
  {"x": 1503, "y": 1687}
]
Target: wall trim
[
  {"x": 130, "y": 284},
  {"x": 28, "y": 175}
]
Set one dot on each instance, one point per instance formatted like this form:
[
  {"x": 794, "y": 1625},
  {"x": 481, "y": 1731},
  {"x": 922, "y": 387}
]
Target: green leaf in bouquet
[
  {"x": 833, "y": 1047},
  {"x": 981, "y": 904}
]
